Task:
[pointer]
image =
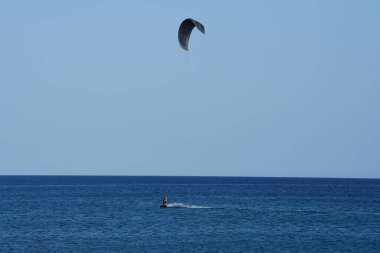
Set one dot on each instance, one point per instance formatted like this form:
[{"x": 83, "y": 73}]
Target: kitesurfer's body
[{"x": 165, "y": 200}]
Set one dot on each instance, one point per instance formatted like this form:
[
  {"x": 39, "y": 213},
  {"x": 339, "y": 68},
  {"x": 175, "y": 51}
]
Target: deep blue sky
[{"x": 274, "y": 88}]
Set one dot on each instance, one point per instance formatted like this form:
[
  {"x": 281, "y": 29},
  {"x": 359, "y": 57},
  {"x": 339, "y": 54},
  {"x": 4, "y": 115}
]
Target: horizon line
[{"x": 94, "y": 175}]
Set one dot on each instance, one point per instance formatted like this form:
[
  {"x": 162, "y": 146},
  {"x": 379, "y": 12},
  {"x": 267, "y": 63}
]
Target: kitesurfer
[{"x": 165, "y": 200}]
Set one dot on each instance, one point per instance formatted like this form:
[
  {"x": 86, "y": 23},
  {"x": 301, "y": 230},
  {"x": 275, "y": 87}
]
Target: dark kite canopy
[{"x": 185, "y": 30}]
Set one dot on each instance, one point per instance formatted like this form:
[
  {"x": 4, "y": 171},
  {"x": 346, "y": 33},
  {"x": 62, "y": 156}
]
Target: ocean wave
[{"x": 182, "y": 205}]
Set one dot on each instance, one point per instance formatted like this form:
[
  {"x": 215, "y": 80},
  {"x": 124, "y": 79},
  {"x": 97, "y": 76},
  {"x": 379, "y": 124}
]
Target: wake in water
[{"x": 182, "y": 205}]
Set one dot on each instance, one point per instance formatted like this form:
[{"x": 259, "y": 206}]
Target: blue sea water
[{"x": 208, "y": 214}]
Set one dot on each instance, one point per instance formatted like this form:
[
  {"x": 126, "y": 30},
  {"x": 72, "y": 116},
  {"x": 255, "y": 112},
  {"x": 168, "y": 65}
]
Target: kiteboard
[{"x": 164, "y": 206}]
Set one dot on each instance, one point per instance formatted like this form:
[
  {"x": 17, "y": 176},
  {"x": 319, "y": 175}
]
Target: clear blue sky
[{"x": 274, "y": 88}]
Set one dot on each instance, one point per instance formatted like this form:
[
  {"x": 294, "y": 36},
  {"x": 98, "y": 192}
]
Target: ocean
[{"x": 207, "y": 214}]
